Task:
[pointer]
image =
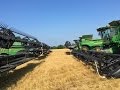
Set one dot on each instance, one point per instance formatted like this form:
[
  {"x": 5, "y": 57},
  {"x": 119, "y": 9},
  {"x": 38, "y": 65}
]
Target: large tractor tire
[
  {"x": 85, "y": 48},
  {"x": 98, "y": 49}
]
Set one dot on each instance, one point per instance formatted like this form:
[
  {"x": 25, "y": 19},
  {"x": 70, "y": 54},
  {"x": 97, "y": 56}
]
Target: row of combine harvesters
[
  {"x": 102, "y": 54},
  {"x": 17, "y": 48}
]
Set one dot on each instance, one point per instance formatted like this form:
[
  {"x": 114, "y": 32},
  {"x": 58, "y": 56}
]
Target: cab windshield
[{"x": 109, "y": 33}]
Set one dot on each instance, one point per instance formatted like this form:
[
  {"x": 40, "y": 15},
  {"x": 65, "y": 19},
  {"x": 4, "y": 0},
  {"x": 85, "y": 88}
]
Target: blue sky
[{"x": 55, "y": 21}]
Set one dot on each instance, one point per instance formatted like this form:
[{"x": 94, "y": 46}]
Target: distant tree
[
  {"x": 54, "y": 47},
  {"x": 58, "y": 47}
]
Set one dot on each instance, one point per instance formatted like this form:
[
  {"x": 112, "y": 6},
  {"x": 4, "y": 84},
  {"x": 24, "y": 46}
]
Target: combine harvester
[
  {"x": 103, "y": 54},
  {"x": 17, "y": 48}
]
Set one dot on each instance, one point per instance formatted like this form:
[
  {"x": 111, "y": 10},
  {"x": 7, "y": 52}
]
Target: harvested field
[{"x": 56, "y": 72}]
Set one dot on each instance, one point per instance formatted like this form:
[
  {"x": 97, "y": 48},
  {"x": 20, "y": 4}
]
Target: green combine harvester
[
  {"x": 17, "y": 48},
  {"x": 86, "y": 42},
  {"x": 103, "y": 54}
]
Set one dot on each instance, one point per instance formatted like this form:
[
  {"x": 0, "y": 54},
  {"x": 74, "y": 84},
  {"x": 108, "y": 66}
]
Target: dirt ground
[{"x": 58, "y": 71}]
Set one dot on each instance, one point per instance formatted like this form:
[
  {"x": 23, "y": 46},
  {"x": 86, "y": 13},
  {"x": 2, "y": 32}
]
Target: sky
[{"x": 57, "y": 21}]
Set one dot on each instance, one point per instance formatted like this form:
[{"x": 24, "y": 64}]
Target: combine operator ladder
[{"x": 16, "y": 48}]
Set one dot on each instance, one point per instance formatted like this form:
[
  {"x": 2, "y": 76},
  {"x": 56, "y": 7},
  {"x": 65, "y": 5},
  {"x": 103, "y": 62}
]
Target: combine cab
[{"x": 111, "y": 36}]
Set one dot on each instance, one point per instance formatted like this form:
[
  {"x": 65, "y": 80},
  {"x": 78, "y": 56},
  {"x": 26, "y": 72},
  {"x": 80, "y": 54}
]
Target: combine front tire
[
  {"x": 97, "y": 49},
  {"x": 85, "y": 48}
]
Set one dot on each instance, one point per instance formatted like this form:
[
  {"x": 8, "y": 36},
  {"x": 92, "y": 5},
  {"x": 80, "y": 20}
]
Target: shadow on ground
[
  {"x": 42, "y": 57},
  {"x": 12, "y": 78}
]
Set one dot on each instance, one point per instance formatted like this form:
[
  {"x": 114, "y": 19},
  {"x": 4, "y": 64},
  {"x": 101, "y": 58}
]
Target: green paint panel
[{"x": 17, "y": 46}]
